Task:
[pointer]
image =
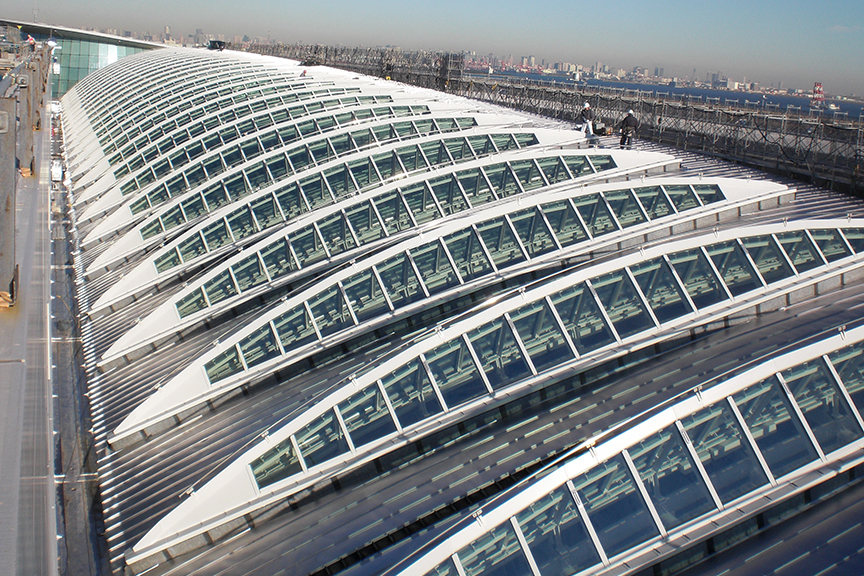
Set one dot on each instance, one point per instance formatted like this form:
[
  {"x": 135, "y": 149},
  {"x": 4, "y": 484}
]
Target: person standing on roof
[
  {"x": 586, "y": 116},
  {"x": 628, "y": 128}
]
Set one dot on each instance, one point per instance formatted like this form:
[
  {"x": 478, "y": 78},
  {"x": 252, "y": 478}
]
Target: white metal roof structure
[{"x": 336, "y": 325}]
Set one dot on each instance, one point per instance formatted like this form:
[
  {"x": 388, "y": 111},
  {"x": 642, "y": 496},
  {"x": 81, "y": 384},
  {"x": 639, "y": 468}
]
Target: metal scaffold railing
[{"x": 823, "y": 150}]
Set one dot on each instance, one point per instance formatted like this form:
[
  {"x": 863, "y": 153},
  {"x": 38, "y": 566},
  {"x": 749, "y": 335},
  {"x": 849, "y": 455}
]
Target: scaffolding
[{"x": 820, "y": 148}]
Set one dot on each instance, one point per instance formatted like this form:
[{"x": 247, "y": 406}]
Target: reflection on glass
[
  {"x": 541, "y": 335},
  {"x": 533, "y": 232},
  {"x": 595, "y": 214},
  {"x": 823, "y": 405},
  {"x": 682, "y": 196},
  {"x": 654, "y": 201},
  {"x": 321, "y": 439},
  {"x": 400, "y": 281},
  {"x": 455, "y": 373},
  {"x": 615, "y": 506},
  {"x": 329, "y": 310},
  {"x": 626, "y": 208},
  {"x": 365, "y": 295},
  {"x": 224, "y": 365},
  {"x": 556, "y": 535},
  {"x": 660, "y": 289},
  {"x": 434, "y": 267},
  {"x": 259, "y": 346},
  {"x": 778, "y": 433},
  {"x": 295, "y": 328},
  {"x": 501, "y": 242},
  {"x": 831, "y": 244},
  {"x": 768, "y": 258},
  {"x": 724, "y": 451},
  {"x": 582, "y": 317},
  {"x": 277, "y": 463},
  {"x": 733, "y": 267},
  {"x": 565, "y": 224},
  {"x": 499, "y": 354},
  {"x": 464, "y": 247},
  {"x": 410, "y": 392},
  {"x": 849, "y": 363},
  {"x": 366, "y": 416},
  {"x": 446, "y": 568},
  {"x": 496, "y": 553},
  {"x": 622, "y": 303},
  {"x": 698, "y": 278}
]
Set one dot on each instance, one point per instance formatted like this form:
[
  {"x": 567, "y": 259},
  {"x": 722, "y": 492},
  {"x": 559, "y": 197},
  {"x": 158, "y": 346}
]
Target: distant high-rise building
[{"x": 531, "y": 61}]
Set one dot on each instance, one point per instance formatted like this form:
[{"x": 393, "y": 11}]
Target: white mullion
[
  {"x": 320, "y": 237},
  {"x": 589, "y": 526},
  {"x": 344, "y": 429},
  {"x": 293, "y": 252},
  {"x": 797, "y": 409},
  {"x": 751, "y": 440},
  {"x": 458, "y": 564},
  {"x": 603, "y": 311},
  {"x": 519, "y": 243},
  {"x": 278, "y": 340},
  {"x": 428, "y": 190},
  {"x": 816, "y": 246},
  {"x": 788, "y": 260},
  {"x": 641, "y": 296},
  {"x": 350, "y": 228},
  {"x": 389, "y": 405},
  {"x": 549, "y": 228},
  {"x": 698, "y": 198},
  {"x": 844, "y": 392},
  {"x": 717, "y": 273},
  {"x": 347, "y": 302},
  {"x": 524, "y": 544},
  {"x": 417, "y": 273},
  {"x": 509, "y": 322},
  {"x": 477, "y": 363},
  {"x": 383, "y": 288},
  {"x": 296, "y": 447},
  {"x": 640, "y": 205},
  {"x": 641, "y": 487},
  {"x": 406, "y": 206},
  {"x": 240, "y": 355},
  {"x": 379, "y": 218},
  {"x": 846, "y": 241},
  {"x": 752, "y": 262},
  {"x": 308, "y": 310},
  {"x": 669, "y": 200},
  {"x": 581, "y": 220},
  {"x": 278, "y": 206},
  {"x": 484, "y": 248},
  {"x": 561, "y": 326},
  {"x": 264, "y": 267},
  {"x": 681, "y": 285},
  {"x": 425, "y": 365},
  {"x": 254, "y": 217},
  {"x": 611, "y": 211},
  {"x": 451, "y": 260},
  {"x": 697, "y": 463}
]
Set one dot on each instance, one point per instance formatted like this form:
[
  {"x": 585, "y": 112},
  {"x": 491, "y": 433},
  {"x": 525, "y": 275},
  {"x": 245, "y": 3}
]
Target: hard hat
[
  {"x": 587, "y": 105},
  {"x": 630, "y": 112}
]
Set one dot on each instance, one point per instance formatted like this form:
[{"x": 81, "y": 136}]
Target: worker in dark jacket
[
  {"x": 628, "y": 128},
  {"x": 586, "y": 116}
]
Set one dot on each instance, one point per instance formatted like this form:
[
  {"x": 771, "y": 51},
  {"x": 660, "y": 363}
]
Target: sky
[{"x": 767, "y": 41}]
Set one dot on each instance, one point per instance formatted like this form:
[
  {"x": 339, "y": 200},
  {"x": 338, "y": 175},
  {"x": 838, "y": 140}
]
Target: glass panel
[
  {"x": 501, "y": 242},
  {"x": 241, "y": 223},
  {"x": 724, "y": 451},
  {"x": 623, "y": 305},
  {"x": 294, "y": 328},
  {"x": 277, "y": 258},
  {"x": 365, "y": 295},
  {"x": 308, "y": 246},
  {"x": 449, "y": 195},
  {"x": 626, "y": 208},
  {"x": 541, "y": 335},
  {"x": 167, "y": 261},
  {"x": 532, "y": 230},
  {"x": 578, "y": 165},
  {"x": 192, "y": 303},
  {"x": 582, "y": 317},
  {"x": 476, "y": 188},
  {"x": 672, "y": 481},
  {"x": 411, "y": 158},
  {"x": 330, "y": 312},
  {"x": 556, "y": 535},
  {"x": 496, "y": 553},
  {"x": 316, "y": 192},
  {"x": 734, "y": 268},
  {"x": 768, "y": 258},
  {"x": 387, "y": 164},
  {"x": 220, "y": 288},
  {"x": 434, "y": 267},
  {"x": 553, "y": 169},
  {"x": 499, "y": 354},
  {"x": 366, "y": 416},
  {"x": 849, "y": 363},
  {"x": 259, "y": 346},
  {"x": 321, "y": 440},
  {"x": 290, "y": 201},
  {"x": 455, "y": 373},
  {"x": 502, "y": 180},
  {"x": 602, "y": 163},
  {"x": 654, "y": 201},
  {"x": 565, "y": 224},
  {"x": 682, "y": 196},
  {"x": 420, "y": 201},
  {"x": 400, "y": 281},
  {"x": 660, "y": 289},
  {"x": 708, "y": 193},
  {"x": 614, "y": 506},
  {"x": 464, "y": 247},
  {"x": 334, "y": 230},
  {"x": 822, "y": 404},
  {"x": 340, "y": 181},
  {"x": 394, "y": 212},
  {"x": 364, "y": 172},
  {"x": 276, "y": 464},
  {"x": 778, "y": 433},
  {"x": 446, "y": 568},
  {"x": 266, "y": 211},
  {"x": 698, "y": 277},
  {"x": 855, "y": 237},
  {"x": 173, "y": 218},
  {"x": 596, "y": 215},
  {"x": 364, "y": 223},
  {"x": 224, "y": 365},
  {"x": 528, "y": 174},
  {"x": 411, "y": 395},
  {"x": 249, "y": 273},
  {"x": 831, "y": 244},
  {"x": 193, "y": 207}
]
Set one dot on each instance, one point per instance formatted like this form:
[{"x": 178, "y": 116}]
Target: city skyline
[{"x": 769, "y": 42}]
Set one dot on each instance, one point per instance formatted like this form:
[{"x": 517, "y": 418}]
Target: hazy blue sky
[{"x": 793, "y": 41}]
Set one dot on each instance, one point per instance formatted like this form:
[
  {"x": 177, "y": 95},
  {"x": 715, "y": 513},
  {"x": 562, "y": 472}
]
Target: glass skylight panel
[
  {"x": 321, "y": 440},
  {"x": 554, "y": 169},
  {"x": 259, "y": 347},
  {"x": 421, "y": 203},
  {"x": 700, "y": 281},
  {"x": 501, "y": 242},
  {"x": 528, "y": 174},
  {"x": 781, "y": 438},
  {"x": 625, "y": 207},
  {"x": 496, "y": 553},
  {"x": 266, "y": 211},
  {"x": 502, "y": 180},
  {"x": 446, "y": 568},
  {"x": 336, "y": 234},
  {"x": 468, "y": 255},
  {"x": 855, "y": 237},
  {"x": 533, "y": 231},
  {"x": 449, "y": 195},
  {"x": 541, "y": 335},
  {"x": 849, "y": 363},
  {"x": 295, "y": 328},
  {"x": 622, "y": 303},
  {"x": 364, "y": 222},
  {"x": 434, "y": 267},
  {"x": 330, "y": 311},
  {"x": 308, "y": 246},
  {"x": 365, "y": 295},
  {"x": 768, "y": 258},
  {"x": 455, "y": 373},
  {"x": 366, "y": 416},
  {"x": 661, "y": 290},
  {"x": 724, "y": 451},
  {"x": 671, "y": 480},
  {"x": 682, "y": 196},
  {"x": 733, "y": 267},
  {"x": 565, "y": 223},
  {"x": 578, "y": 166},
  {"x": 224, "y": 365},
  {"x": 276, "y": 464},
  {"x": 499, "y": 354},
  {"x": 615, "y": 507},
  {"x": 394, "y": 212},
  {"x": 582, "y": 318},
  {"x": 400, "y": 280},
  {"x": 595, "y": 214},
  {"x": 477, "y": 190},
  {"x": 411, "y": 394},
  {"x": 823, "y": 405},
  {"x": 831, "y": 244},
  {"x": 556, "y": 535}
]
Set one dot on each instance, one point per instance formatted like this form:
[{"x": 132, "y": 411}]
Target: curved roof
[{"x": 298, "y": 285}]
